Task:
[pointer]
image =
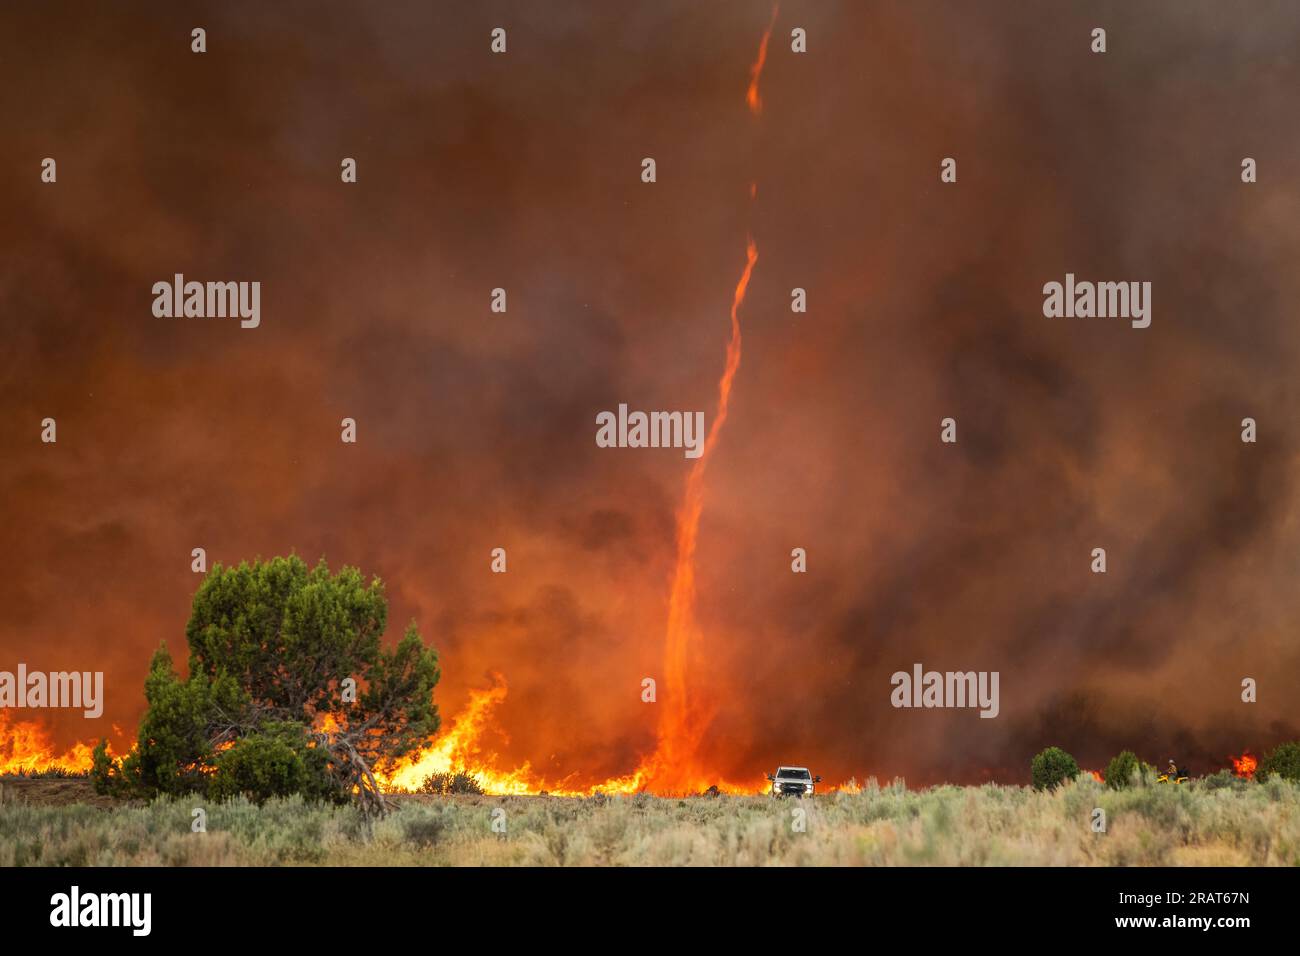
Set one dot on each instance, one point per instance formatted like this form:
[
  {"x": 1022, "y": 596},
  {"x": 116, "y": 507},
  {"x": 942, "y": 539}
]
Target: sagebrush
[{"x": 1212, "y": 823}]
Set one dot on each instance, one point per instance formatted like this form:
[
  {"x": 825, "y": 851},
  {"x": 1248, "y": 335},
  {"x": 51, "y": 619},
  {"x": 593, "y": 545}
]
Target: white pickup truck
[{"x": 793, "y": 782}]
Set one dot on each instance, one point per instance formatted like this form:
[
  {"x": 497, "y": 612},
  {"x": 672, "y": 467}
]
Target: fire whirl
[
  {"x": 756, "y": 71},
  {"x": 674, "y": 766}
]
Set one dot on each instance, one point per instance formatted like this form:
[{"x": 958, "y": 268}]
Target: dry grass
[
  {"x": 1195, "y": 824},
  {"x": 51, "y": 791}
]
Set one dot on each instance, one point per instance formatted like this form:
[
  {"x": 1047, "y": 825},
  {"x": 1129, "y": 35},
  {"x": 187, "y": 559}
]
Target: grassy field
[{"x": 1213, "y": 822}]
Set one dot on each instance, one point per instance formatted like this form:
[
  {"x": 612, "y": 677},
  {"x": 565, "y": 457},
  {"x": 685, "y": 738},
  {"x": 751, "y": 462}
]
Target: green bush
[
  {"x": 421, "y": 829},
  {"x": 1123, "y": 771},
  {"x": 275, "y": 762},
  {"x": 445, "y": 783},
  {"x": 270, "y": 643},
  {"x": 1052, "y": 767},
  {"x": 1224, "y": 779},
  {"x": 104, "y": 772},
  {"x": 1283, "y": 761}
]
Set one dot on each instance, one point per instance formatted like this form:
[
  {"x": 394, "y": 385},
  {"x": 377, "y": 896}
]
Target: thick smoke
[{"x": 477, "y": 429}]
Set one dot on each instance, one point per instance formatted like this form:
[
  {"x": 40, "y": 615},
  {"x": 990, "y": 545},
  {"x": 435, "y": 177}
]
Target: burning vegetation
[
  {"x": 261, "y": 702},
  {"x": 26, "y": 748},
  {"x": 1245, "y": 765}
]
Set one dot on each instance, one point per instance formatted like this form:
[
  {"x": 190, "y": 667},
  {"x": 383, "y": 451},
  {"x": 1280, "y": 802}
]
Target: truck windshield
[{"x": 787, "y": 774}]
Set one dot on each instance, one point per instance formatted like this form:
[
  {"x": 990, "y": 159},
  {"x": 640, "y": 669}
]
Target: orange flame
[
  {"x": 25, "y": 747},
  {"x": 459, "y": 749},
  {"x": 756, "y": 71},
  {"x": 325, "y": 723},
  {"x": 1245, "y": 765}
]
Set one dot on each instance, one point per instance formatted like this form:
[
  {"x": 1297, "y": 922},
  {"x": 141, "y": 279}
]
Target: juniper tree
[
  {"x": 272, "y": 648},
  {"x": 1283, "y": 761},
  {"x": 1052, "y": 767}
]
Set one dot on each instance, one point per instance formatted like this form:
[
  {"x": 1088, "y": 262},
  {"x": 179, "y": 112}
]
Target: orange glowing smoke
[
  {"x": 1245, "y": 765},
  {"x": 674, "y": 766},
  {"x": 25, "y": 747}
]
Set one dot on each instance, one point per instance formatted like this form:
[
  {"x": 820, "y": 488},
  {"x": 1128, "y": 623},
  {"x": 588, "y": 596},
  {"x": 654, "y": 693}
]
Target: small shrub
[
  {"x": 443, "y": 784},
  {"x": 421, "y": 829},
  {"x": 1223, "y": 779},
  {"x": 105, "y": 773},
  {"x": 275, "y": 762},
  {"x": 1283, "y": 761},
  {"x": 1123, "y": 771},
  {"x": 48, "y": 773},
  {"x": 1052, "y": 767}
]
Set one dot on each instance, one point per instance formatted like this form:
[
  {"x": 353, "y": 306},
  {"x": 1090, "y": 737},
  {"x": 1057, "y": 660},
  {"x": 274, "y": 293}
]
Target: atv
[{"x": 1177, "y": 776}]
